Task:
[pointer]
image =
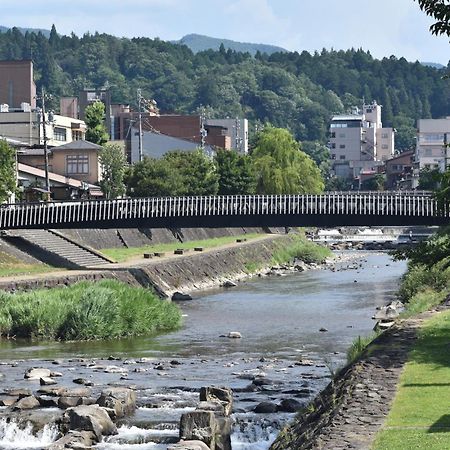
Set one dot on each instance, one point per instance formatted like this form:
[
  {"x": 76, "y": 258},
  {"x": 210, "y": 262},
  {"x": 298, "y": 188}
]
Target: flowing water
[{"x": 280, "y": 319}]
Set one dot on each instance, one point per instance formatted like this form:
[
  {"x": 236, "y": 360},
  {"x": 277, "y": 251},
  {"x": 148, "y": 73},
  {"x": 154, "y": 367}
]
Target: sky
[{"x": 384, "y": 27}]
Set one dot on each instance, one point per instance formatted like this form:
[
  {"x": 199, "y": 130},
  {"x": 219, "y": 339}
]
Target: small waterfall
[
  {"x": 252, "y": 432},
  {"x": 14, "y": 436}
]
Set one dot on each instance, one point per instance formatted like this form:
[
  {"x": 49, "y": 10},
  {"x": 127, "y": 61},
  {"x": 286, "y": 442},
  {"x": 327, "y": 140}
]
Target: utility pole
[
  {"x": 44, "y": 132},
  {"x": 139, "y": 97}
]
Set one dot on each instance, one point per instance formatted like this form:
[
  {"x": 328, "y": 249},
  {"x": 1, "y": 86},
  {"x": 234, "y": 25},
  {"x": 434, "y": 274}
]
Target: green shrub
[
  {"x": 106, "y": 309},
  {"x": 420, "y": 277},
  {"x": 423, "y": 301},
  {"x": 303, "y": 250}
]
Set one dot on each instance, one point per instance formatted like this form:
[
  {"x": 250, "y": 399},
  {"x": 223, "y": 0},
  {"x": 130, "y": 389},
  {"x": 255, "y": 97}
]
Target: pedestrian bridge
[{"x": 326, "y": 210}]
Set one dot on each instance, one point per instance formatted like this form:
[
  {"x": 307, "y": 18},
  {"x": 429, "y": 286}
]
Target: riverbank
[
  {"x": 381, "y": 401},
  {"x": 274, "y": 366},
  {"x": 189, "y": 272}
]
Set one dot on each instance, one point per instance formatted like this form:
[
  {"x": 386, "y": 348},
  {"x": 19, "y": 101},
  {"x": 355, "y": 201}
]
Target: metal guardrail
[{"x": 52, "y": 214}]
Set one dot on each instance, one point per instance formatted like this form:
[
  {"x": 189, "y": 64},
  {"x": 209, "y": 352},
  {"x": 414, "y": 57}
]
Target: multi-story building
[
  {"x": 432, "y": 151},
  {"x": 236, "y": 129},
  {"x": 359, "y": 143},
  {"x": 26, "y": 125},
  {"x": 16, "y": 84}
]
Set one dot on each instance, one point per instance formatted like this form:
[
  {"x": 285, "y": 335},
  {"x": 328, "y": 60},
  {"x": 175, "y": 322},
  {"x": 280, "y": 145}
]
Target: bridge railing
[{"x": 56, "y": 213}]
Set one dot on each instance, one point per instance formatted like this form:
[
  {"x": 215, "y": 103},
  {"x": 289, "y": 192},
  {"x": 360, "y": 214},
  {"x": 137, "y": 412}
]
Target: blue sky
[{"x": 385, "y": 27}]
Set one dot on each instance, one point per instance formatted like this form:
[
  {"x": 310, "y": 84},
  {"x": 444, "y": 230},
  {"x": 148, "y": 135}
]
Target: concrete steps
[{"x": 57, "y": 249}]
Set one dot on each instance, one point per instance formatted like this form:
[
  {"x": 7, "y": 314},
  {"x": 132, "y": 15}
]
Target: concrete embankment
[{"x": 186, "y": 273}]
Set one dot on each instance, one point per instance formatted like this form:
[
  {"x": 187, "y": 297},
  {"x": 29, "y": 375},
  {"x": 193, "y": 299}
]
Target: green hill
[
  {"x": 46, "y": 33},
  {"x": 198, "y": 43}
]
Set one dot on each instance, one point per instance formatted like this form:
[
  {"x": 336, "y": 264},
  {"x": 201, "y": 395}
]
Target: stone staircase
[{"x": 54, "y": 248}]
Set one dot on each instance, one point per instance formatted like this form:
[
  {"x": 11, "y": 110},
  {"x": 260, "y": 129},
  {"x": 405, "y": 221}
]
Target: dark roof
[{"x": 78, "y": 145}]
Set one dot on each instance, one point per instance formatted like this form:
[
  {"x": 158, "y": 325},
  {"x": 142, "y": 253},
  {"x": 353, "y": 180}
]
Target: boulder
[
  {"x": 289, "y": 405},
  {"x": 121, "y": 400},
  {"x": 46, "y": 401},
  {"x": 179, "y": 296},
  {"x": 74, "y": 440},
  {"x": 88, "y": 418},
  {"x": 69, "y": 402},
  {"x": 228, "y": 284},
  {"x": 47, "y": 381},
  {"x": 26, "y": 403},
  {"x": 215, "y": 406},
  {"x": 234, "y": 335},
  {"x": 188, "y": 445},
  {"x": 8, "y": 400},
  {"x": 265, "y": 408},
  {"x": 17, "y": 392},
  {"x": 223, "y": 395},
  {"x": 199, "y": 425},
  {"x": 36, "y": 373}
]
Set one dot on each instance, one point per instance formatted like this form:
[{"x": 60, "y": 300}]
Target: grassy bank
[
  {"x": 9, "y": 266},
  {"x": 104, "y": 310},
  {"x": 419, "y": 417},
  {"x": 301, "y": 249},
  {"x": 123, "y": 254}
]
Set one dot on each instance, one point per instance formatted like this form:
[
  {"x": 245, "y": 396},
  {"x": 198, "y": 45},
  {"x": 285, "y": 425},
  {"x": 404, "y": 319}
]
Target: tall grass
[
  {"x": 301, "y": 249},
  {"x": 359, "y": 345},
  {"x": 84, "y": 311}
]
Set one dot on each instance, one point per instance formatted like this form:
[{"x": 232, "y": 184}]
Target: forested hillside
[{"x": 298, "y": 91}]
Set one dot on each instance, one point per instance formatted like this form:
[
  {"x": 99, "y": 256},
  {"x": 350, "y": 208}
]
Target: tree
[
  {"x": 281, "y": 167},
  {"x": 94, "y": 118},
  {"x": 8, "y": 179},
  {"x": 197, "y": 171},
  {"x": 376, "y": 183},
  {"x": 439, "y": 10},
  {"x": 113, "y": 165},
  {"x": 177, "y": 173},
  {"x": 154, "y": 178},
  {"x": 234, "y": 173},
  {"x": 428, "y": 179}
]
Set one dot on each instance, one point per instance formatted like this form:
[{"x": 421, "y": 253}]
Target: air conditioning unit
[
  {"x": 4, "y": 107},
  {"x": 25, "y": 107}
]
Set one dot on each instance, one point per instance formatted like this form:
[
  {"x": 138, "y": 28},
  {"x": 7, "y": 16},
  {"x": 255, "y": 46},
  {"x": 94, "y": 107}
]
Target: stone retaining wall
[
  {"x": 353, "y": 407},
  {"x": 185, "y": 273}
]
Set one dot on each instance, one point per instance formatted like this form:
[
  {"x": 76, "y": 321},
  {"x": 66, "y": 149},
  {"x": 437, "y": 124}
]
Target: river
[{"x": 280, "y": 319}]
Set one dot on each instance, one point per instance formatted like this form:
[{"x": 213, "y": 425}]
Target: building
[
  {"x": 359, "y": 143},
  {"x": 25, "y": 124},
  {"x": 16, "y": 84},
  {"x": 432, "y": 152},
  {"x": 77, "y": 160},
  {"x": 185, "y": 131},
  {"x": 399, "y": 171},
  {"x": 236, "y": 129},
  {"x": 32, "y": 181},
  {"x": 156, "y": 145}
]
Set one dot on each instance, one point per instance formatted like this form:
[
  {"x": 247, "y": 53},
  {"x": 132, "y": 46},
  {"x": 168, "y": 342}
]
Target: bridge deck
[{"x": 333, "y": 209}]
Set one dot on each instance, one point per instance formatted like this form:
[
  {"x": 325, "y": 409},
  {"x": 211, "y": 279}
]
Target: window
[
  {"x": 384, "y": 136},
  {"x": 333, "y": 156},
  {"x": 342, "y": 157},
  {"x": 428, "y": 152},
  {"x": 342, "y": 135},
  {"x": 59, "y": 134},
  {"x": 333, "y": 134},
  {"x": 342, "y": 146},
  {"x": 77, "y": 164},
  {"x": 385, "y": 146},
  {"x": 77, "y": 135},
  {"x": 333, "y": 145}
]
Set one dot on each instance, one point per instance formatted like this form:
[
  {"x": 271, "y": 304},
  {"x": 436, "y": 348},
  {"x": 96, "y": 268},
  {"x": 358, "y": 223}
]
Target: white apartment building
[
  {"x": 25, "y": 125},
  {"x": 432, "y": 137},
  {"x": 359, "y": 143}
]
